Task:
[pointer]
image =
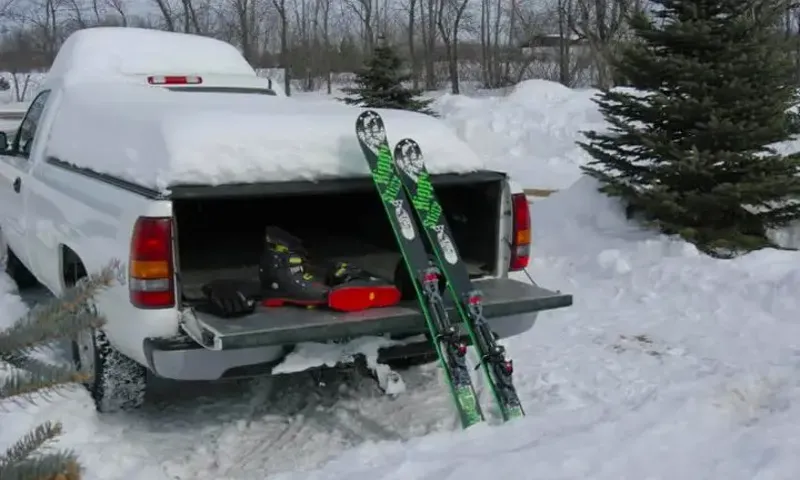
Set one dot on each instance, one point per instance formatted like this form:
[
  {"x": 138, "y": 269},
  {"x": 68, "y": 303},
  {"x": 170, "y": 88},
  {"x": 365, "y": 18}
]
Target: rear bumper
[
  {"x": 181, "y": 358},
  {"x": 503, "y": 298}
]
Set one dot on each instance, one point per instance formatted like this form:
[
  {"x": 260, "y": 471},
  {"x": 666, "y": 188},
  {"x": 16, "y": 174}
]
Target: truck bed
[{"x": 220, "y": 235}]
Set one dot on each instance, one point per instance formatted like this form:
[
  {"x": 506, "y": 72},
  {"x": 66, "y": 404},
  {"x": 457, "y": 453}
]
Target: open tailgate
[{"x": 289, "y": 325}]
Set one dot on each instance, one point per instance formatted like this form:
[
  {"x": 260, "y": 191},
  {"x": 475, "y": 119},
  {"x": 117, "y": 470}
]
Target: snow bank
[
  {"x": 529, "y": 133},
  {"x": 103, "y": 52},
  {"x": 157, "y": 138}
]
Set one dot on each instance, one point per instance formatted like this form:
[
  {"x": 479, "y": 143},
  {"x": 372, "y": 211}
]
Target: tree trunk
[{"x": 411, "y": 50}]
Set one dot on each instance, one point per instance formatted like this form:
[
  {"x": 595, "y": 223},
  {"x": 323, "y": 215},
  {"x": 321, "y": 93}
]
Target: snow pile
[
  {"x": 529, "y": 133},
  {"x": 104, "y": 52},
  {"x": 166, "y": 138}
]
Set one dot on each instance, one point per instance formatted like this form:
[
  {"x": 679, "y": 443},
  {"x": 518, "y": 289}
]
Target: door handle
[{"x": 17, "y": 184}]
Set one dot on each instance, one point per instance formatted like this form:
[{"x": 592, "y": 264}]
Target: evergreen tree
[
  {"x": 380, "y": 84},
  {"x": 23, "y": 377},
  {"x": 690, "y": 150}
]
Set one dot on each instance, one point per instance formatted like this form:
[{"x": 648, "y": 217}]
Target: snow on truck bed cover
[
  {"x": 104, "y": 52},
  {"x": 157, "y": 138}
]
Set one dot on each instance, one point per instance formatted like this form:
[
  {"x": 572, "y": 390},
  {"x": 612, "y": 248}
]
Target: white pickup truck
[{"x": 168, "y": 153}]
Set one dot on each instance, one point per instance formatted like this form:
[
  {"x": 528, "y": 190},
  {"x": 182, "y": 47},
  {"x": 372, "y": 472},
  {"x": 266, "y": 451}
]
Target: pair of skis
[{"x": 404, "y": 186}]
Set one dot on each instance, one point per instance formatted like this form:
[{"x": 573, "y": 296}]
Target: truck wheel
[
  {"x": 14, "y": 268},
  {"x": 119, "y": 383}
]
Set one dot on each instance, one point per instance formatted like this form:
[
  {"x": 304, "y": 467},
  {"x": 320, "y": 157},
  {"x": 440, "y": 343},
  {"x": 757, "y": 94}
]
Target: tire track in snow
[{"x": 302, "y": 424}]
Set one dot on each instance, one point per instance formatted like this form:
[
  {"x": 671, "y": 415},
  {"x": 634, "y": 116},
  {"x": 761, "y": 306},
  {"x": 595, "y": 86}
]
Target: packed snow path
[
  {"x": 197, "y": 430},
  {"x": 670, "y": 365}
]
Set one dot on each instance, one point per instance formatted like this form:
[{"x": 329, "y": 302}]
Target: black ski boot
[{"x": 284, "y": 277}]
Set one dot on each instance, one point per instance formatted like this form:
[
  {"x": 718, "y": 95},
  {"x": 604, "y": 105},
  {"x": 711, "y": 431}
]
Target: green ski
[
  {"x": 410, "y": 166},
  {"x": 424, "y": 275}
]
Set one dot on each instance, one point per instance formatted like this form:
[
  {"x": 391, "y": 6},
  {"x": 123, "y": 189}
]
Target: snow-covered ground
[{"x": 670, "y": 365}]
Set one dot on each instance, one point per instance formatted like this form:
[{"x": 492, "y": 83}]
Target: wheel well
[{"x": 72, "y": 268}]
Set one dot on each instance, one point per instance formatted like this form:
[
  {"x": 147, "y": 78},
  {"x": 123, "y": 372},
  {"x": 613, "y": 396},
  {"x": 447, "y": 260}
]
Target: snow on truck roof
[
  {"x": 102, "y": 52},
  {"x": 157, "y": 138}
]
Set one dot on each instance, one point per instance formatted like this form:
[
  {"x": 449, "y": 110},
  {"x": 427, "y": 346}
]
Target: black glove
[{"x": 231, "y": 298}]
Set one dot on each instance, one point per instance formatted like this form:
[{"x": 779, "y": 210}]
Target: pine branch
[
  {"x": 55, "y": 466},
  {"x": 59, "y": 318},
  {"x": 19, "y": 462},
  {"x": 27, "y": 445},
  {"x": 35, "y": 379}
]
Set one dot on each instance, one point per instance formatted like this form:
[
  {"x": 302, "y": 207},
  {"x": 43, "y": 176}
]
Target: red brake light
[
  {"x": 521, "y": 233},
  {"x": 150, "y": 271},
  {"x": 174, "y": 80}
]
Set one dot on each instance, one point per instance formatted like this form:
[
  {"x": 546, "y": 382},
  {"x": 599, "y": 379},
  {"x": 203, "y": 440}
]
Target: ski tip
[
  {"x": 370, "y": 129},
  {"x": 408, "y": 147},
  {"x": 369, "y": 120},
  {"x": 368, "y": 116},
  {"x": 406, "y": 142}
]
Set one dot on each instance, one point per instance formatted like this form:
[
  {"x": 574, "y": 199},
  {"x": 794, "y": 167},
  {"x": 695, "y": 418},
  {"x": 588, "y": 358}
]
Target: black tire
[{"x": 119, "y": 383}]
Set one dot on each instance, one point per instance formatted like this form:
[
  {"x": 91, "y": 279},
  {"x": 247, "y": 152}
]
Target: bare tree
[
  {"x": 428, "y": 14},
  {"x": 246, "y": 27},
  {"x": 490, "y": 27},
  {"x": 166, "y": 13},
  {"x": 280, "y": 7},
  {"x": 600, "y": 22},
  {"x": 119, "y": 7},
  {"x": 324, "y": 6},
  {"x": 565, "y": 20},
  {"x": 20, "y": 55},
  {"x": 363, "y": 9},
  {"x": 190, "y": 17},
  {"x": 448, "y": 19},
  {"x": 412, "y": 52}
]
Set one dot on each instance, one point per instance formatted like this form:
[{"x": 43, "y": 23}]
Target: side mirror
[{"x": 3, "y": 142}]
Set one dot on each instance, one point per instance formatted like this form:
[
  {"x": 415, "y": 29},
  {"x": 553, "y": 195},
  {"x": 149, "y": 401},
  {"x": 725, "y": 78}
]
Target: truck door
[{"x": 14, "y": 168}]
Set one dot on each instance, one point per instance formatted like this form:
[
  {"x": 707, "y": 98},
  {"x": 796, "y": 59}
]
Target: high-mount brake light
[
  {"x": 174, "y": 80},
  {"x": 521, "y": 233},
  {"x": 151, "y": 269}
]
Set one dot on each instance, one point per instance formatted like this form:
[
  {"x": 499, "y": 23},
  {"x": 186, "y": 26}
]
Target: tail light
[
  {"x": 151, "y": 269},
  {"x": 521, "y": 233},
  {"x": 174, "y": 80}
]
